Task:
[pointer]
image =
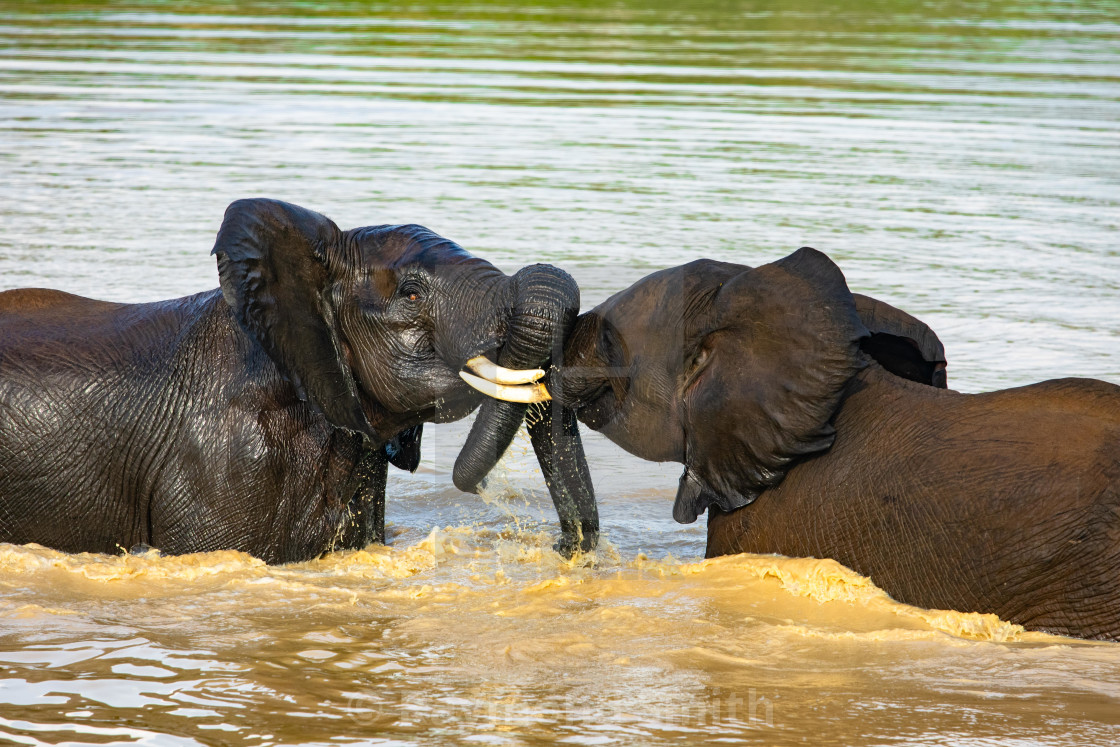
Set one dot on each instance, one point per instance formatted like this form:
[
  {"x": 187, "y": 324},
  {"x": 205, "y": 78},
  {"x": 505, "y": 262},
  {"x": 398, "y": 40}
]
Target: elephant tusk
[
  {"x": 490, "y": 371},
  {"x": 525, "y": 394}
]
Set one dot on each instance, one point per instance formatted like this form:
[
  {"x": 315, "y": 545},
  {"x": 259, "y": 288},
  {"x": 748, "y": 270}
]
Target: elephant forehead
[
  {"x": 669, "y": 299},
  {"x": 644, "y": 319},
  {"x": 397, "y": 245}
]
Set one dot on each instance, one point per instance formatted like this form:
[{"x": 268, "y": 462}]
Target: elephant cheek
[{"x": 652, "y": 437}]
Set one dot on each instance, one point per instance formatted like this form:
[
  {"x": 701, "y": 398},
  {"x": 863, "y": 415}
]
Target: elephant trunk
[{"x": 545, "y": 306}]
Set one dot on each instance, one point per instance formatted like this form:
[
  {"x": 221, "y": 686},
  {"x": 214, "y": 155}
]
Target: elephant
[
  {"x": 261, "y": 416},
  {"x": 802, "y": 435}
]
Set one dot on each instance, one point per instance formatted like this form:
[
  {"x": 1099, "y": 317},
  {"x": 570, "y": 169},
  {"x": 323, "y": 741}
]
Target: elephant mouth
[{"x": 507, "y": 384}]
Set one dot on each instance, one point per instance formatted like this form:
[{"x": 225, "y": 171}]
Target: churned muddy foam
[{"x": 457, "y": 564}]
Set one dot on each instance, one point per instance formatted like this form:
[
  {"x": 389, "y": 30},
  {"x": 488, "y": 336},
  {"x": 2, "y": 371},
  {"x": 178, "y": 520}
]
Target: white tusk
[
  {"x": 526, "y": 393},
  {"x": 495, "y": 373}
]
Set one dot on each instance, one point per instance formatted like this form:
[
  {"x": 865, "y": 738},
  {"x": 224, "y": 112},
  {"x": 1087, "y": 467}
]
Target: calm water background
[{"x": 958, "y": 159}]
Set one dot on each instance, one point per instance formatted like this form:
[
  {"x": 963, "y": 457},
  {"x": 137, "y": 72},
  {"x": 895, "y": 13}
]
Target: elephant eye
[{"x": 411, "y": 290}]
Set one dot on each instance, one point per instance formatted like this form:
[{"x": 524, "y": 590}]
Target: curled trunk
[{"x": 544, "y": 308}]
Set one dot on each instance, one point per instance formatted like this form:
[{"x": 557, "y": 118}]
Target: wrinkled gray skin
[
  {"x": 773, "y": 389},
  {"x": 261, "y": 417}
]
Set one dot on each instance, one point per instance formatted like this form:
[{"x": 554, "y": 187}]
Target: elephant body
[
  {"x": 814, "y": 422},
  {"x": 1005, "y": 502},
  {"x": 207, "y": 445},
  {"x": 262, "y": 416}
]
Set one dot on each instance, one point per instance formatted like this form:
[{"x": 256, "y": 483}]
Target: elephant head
[
  {"x": 374, "y": 325},
  {"x": 732, "y": 371}
]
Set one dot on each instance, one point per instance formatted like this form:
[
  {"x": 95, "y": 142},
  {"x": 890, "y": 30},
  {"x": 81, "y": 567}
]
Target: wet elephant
[
  {"x": 261, "y": 416},
  {"x": 773, "y": 389}
]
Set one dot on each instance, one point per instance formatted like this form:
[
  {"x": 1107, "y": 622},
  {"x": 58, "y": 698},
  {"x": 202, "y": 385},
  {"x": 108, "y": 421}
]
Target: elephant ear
[
  {"x": 901, "y": 343},
  {"x": 767, "y": 378},
  {"x": 275, "y": 262}
]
